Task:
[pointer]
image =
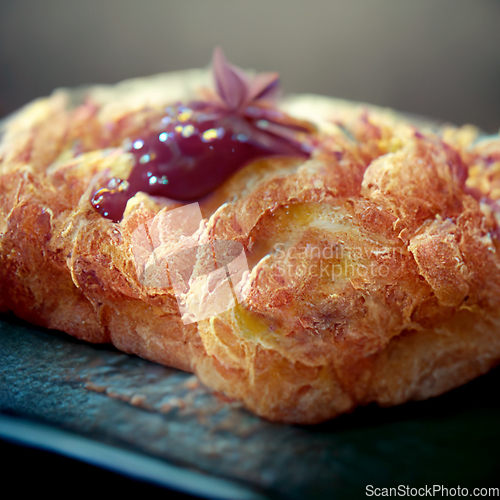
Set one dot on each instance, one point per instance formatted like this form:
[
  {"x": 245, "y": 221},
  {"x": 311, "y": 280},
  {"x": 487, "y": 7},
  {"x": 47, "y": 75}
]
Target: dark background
[
  {"x": 439, "y": 58},
  {"x": 30, "y": 471}
]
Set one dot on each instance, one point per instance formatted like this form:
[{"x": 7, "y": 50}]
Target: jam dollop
[{"x": 197, "y": 146}]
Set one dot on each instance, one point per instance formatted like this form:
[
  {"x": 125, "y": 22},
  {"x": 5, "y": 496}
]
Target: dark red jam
[{"x": 192, "y": 153}]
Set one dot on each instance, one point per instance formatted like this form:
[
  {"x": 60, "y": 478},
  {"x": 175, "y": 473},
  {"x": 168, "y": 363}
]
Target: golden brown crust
[{"x": 373, "y": 267}]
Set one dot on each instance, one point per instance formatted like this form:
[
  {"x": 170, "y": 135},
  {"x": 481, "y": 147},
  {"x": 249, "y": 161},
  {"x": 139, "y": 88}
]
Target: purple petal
[
  {"x": 276, "y": 117},
  {"x": 281, "y": 144},
  {"x": 231, "y": 82},
  {"x": 264, "y": 86}
]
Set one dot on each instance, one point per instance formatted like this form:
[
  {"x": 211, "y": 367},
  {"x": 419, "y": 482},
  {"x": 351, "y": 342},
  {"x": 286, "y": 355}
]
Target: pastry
[{"x": 303, "y": 256}]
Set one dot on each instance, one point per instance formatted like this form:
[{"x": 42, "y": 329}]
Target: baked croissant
[{"x": 371, "y": 268}]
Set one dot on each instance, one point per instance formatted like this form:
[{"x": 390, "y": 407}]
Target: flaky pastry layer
[{"x": 374, "y": 269}]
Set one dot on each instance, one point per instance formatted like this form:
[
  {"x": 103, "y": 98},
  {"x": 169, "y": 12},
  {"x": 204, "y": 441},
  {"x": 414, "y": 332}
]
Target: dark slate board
[{"x": 126, "y": 402}]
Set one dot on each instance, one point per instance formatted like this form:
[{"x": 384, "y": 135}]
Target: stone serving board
[{"x": 126, "y": 403}]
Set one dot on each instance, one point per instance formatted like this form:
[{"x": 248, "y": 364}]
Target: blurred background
[{"x": 439, "y": 58}]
